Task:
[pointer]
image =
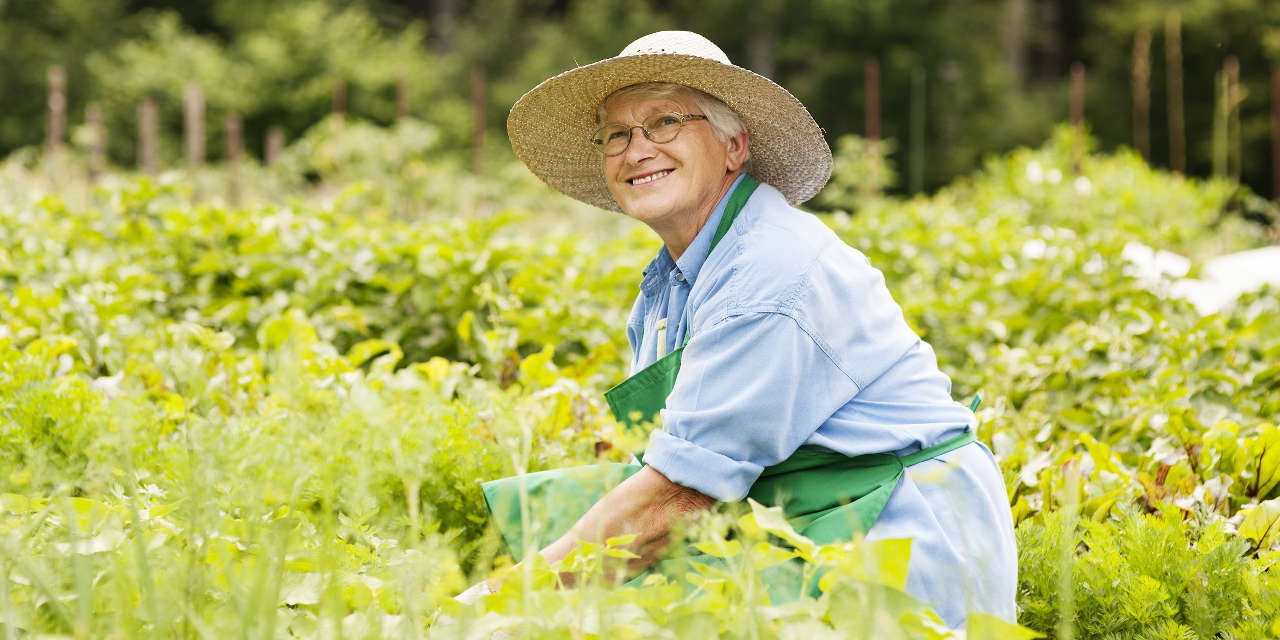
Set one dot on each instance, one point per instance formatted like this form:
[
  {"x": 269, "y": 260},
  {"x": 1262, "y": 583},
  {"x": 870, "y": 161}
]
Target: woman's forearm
[{"x": 645, "y": 505}]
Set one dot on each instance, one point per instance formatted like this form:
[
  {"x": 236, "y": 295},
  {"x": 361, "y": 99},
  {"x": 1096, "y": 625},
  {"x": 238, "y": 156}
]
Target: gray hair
[{"x": 724, "y": 121}]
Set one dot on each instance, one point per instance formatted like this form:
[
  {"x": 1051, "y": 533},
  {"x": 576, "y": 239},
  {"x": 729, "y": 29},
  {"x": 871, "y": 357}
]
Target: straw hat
[{"x": 550, "y": 126}]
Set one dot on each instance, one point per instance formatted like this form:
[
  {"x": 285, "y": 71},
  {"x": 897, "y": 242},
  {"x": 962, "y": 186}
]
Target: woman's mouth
[{"x": 646, "y": 179}]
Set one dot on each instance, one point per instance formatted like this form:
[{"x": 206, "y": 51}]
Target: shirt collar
[
  {"x": 655, "y": 274},
  {"x": 690, "y": 262}
]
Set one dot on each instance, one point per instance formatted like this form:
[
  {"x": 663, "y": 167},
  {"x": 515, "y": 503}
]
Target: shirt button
[{"x": 679, "y": 277}]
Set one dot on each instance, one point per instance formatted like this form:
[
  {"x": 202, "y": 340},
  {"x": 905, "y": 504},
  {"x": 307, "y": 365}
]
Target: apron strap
[
  {"x": 737, "y": 199},
  {"x": 939, "y": 449}
]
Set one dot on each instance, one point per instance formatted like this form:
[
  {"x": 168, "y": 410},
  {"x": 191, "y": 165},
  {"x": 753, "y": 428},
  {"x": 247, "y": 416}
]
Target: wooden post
[
  {"x": 1173, "y": 67},
  {"x": 193, "y": 124},
  {"x": 56, "y": 131},
  {"x": 235, "y": 137},
  {"x": 340, "y": 96},
  {"x": 477, "y": 118},
  {"x": 402, "y": 98},
  {"x": 871, "y": 80},
  {"x": 1077, "y": 96},
  {"x": 148, "y": 136},
  {"x": 235, "y": 146},
  {"x": 1142, "y": 93},
  {"x": 275, "y": 145},
  {"x": 916, "y": 171},
  {"x": 1275, "y": 132},
  {"x": 1232, "y": 70},
  {"x": 98, "y": 143}
]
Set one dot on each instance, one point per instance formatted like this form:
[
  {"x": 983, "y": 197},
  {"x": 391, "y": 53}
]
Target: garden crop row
[{"x": 272, "y": 421}]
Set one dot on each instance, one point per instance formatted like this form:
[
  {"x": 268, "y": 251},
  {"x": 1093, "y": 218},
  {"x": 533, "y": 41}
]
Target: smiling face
[{"x": 673, "y": 186}]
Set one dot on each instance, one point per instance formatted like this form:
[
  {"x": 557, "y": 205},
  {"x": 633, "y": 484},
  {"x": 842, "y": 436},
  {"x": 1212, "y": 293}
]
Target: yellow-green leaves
[
  {"x": 771, "y": 520},
  {"x": 1262, "y": 472},
  {"x": 1261, "y": 524},
  {"x": 982, "y": 626}
]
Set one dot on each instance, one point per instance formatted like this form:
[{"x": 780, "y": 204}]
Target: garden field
[{"x": 270, "y": 418}]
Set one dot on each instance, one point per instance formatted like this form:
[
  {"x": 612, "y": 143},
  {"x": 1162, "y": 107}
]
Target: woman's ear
[{"x": 737, "y": 147}]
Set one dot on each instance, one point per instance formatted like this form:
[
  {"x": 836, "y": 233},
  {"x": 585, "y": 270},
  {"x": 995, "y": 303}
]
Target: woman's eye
[
  {"x": 614, "y": 135},
  {"x": 666, "y": 121}
]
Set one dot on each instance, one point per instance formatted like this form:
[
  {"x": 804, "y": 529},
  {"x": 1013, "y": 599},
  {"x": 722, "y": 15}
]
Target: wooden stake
[
  {"x": 1232, "y": 70},
  {"x": 402, "y": 98},
  {"x": 1275, "y": 132},
  {"x": 1142, "y": 92},
  {"x": 1077, "y": 96},
  {"x": 235, "y": 137},
  {"x": 98, "y": 144},
  {"x": 235, "y": 146},
  {"x": 193, "y": 124},
  {"x": 148, "y": 136},
  {"x": 340, "y": 96},
  {"x": 871, "y": 80},
  {"x": 1173, "y": 67},
  {"x": 275, "y": 145},
  {"x": 56, "y": 131},
  {"x": 477, "y": 118}
]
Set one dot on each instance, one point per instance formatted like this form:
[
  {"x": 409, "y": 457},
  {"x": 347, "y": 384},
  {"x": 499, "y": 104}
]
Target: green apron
[{"x": 827, "y": 497}]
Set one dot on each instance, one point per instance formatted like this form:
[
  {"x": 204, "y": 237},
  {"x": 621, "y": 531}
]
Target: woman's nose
[{"x": 639, "y": 147}]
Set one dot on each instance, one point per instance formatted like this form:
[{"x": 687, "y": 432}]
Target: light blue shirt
[{"x": 794, "y": 341}]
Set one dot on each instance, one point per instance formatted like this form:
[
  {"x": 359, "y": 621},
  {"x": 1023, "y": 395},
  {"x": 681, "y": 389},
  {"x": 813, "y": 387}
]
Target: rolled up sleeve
[{"x": 750, "y": 391}]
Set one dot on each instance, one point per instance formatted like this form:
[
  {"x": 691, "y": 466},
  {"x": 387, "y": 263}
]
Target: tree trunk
[
  {"x": 274, "y": 146},
  {"x": 235, "y": 146},
  {"x": 56, "y": 132},
  {"x": 98, "y": 148},
  {"x": 916, "y": 162},
  {"x": 760, "y": 49},
  {"x": 1142, "y": 93},
  {"x": 1017, "y": 23},
  {"x": 193, "y": 124},
  {"x": 1275, "y": 132},
  {"x": 477, "y": 118},
  {"x": 148, "y": 136},
  {"x": 444, "y": 19},
  {"x": 871, "y": 74},
  {"x": 402, "y": 98},
  {"x": 340, "y": 96},
  {"x": 1173, "y": 67}
]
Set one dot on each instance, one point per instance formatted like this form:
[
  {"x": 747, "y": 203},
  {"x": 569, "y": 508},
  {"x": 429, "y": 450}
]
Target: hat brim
[{"x": 550, "y": 126}]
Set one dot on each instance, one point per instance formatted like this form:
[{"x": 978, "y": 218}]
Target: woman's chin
[{"x": 647, "y": 211}]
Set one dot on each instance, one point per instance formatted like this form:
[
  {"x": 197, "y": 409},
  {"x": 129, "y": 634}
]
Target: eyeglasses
[{"x": 613, "y": 138}]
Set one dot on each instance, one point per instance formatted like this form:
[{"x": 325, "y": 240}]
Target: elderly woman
[{"x": 777, "y": 360}]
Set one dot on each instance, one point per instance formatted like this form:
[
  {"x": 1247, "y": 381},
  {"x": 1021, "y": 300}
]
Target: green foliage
[
  {"x": 272, "y": 419},
  {"x": 1145, "y": 577},
  {"x": 861, "y": 172},
  {"x": 455, "y": 288},
  {"x": 280, "y": 71},
  {"x": 276, "y": 64}
]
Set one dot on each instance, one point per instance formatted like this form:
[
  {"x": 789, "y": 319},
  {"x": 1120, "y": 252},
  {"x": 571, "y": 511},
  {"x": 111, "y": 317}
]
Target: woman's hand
[{"x": 645, "y": 505}]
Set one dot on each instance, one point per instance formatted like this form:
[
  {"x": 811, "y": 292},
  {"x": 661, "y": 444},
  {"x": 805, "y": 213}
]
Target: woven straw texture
[{"x": 550, "y": 126}]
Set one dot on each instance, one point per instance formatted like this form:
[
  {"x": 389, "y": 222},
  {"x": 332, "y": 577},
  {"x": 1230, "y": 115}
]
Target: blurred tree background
[{"x": 958, "y": 80}]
